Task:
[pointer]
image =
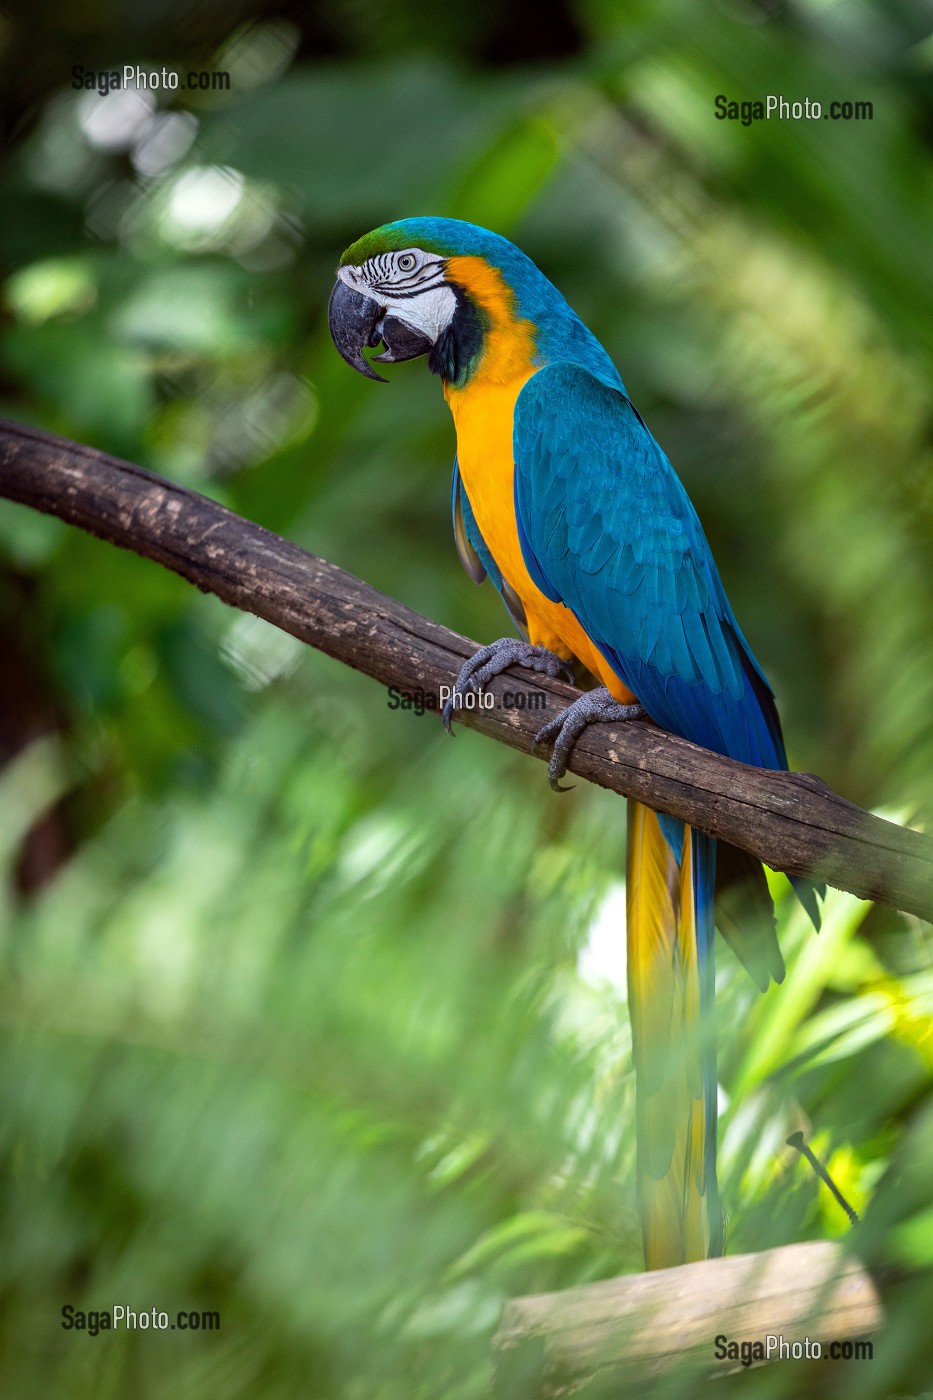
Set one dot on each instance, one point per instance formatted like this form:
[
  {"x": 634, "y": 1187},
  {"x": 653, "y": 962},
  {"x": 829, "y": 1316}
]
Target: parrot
[{"x": 564, "y": 500}]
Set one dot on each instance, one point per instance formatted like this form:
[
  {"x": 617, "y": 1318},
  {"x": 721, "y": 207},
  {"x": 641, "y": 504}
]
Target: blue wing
[{"x": 608, "y": 530}]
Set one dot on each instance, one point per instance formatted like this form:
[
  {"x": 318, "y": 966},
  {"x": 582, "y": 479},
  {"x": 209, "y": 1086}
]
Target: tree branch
[{"x": 792, "y": 821}]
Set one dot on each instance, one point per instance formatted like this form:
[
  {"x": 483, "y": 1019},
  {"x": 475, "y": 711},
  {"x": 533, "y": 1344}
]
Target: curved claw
[
  {"x": 595, "y": 707},
  {"x": 447, "y": 714},
  {"x": 447, "y": 717}
]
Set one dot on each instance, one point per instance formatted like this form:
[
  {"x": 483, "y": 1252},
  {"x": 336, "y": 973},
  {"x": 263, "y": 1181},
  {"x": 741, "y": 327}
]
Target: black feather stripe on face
[
  {"x": 460, "y": 344},
  {"x": 394, "y": 283}
]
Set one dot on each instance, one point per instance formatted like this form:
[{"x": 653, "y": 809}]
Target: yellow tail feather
[{"x": 676, "y": 1181}]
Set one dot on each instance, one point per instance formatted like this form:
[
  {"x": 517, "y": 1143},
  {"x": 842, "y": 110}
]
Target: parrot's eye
[{"x": 406, "y": 262}]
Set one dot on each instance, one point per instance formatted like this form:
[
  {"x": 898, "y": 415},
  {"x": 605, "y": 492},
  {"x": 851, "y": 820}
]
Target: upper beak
[{"x": 356, "y": 321}]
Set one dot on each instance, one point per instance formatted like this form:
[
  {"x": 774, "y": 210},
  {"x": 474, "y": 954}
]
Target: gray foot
[
  {"x": 491, "y": 661},
  {"x": 594, "y": 707}
]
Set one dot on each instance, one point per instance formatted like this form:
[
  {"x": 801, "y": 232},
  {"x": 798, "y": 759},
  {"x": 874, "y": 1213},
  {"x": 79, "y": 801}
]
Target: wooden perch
[
  {"x": 792, "y": 821},
  {"x": 625, "y": 1330}
]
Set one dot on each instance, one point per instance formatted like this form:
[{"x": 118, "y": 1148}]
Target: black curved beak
[{"x": 356, "y": 321}]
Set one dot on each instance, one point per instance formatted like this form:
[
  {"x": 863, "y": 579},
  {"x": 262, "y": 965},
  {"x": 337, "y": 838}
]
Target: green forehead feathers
[{"x": 390, "y": 238}]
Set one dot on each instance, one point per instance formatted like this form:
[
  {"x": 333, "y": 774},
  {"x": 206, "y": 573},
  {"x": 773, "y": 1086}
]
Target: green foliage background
[{"x": 309, "y": 1015}]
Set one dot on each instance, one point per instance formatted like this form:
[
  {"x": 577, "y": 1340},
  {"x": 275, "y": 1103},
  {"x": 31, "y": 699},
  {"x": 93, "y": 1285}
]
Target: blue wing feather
[
  {"x": 607, "y": 529},
  {"x": 471, "y": 547}
]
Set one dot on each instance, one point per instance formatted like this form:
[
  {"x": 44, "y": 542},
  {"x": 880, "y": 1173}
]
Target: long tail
[{"x": 670, "y": 993}]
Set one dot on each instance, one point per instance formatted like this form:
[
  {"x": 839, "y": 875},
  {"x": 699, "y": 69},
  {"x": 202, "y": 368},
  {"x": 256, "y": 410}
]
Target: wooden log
[{"x": 624, "y": 1331}]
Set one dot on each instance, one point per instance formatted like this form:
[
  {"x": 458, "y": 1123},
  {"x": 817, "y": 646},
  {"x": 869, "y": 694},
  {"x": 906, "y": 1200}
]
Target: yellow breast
[
  {"x": 483, "y": 417},
  {"x": 484, "y": 414}
]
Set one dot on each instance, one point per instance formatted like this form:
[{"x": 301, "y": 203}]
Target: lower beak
[{"x": 356, "y": 321}]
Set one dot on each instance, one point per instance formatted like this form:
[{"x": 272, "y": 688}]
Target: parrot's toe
[
  {"x": 594, "y": 707},
  {"x": 489, "y": 662}
]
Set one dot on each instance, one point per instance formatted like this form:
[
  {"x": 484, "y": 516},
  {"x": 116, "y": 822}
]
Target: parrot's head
[{"x": 457, "y": 293}]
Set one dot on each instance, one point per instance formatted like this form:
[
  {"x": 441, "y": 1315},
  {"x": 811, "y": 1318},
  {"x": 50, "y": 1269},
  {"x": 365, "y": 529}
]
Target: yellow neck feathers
[{"x": 509, "y": 341}]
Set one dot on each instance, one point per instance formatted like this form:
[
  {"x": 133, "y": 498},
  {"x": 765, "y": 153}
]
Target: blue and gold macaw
[{"x": 564, "y": 499}]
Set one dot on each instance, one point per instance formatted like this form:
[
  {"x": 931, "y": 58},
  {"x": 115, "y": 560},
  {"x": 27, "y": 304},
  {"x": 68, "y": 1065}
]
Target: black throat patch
[{"x": 459, "y": 346}]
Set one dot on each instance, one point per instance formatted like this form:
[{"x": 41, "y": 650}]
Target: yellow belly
[{"x": 483, "y": 416}]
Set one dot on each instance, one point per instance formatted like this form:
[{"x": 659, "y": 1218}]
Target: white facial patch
[{"x": 429, "y": 310}]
